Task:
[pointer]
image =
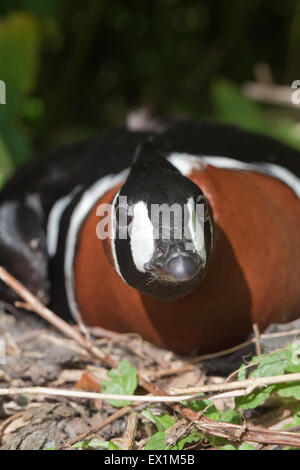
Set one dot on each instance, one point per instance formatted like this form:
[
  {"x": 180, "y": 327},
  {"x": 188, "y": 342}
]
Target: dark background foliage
[{"x": 72, "y": 67}]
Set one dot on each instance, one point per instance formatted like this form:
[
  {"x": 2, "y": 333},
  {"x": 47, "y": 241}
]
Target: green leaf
[
  {"x": 80, "y": 445},
  {"x": 227, "y": 416},
  {"x": 98, "y": 444},
  {"x": 274, "y": 364},
  {"x": 112, "y": 446},
  {"x": 246, "y": 447},
  {"x": 254, "y": 399},
  {"x": 92, "y": 444},
  {"x": 123, "y": 382},
  {"x": 293, "y": 358},
  {"x": 242, "y": 372},
  {"x": 278, "y": 363},
  {"x": 289, "y": 389},
  {"x": 200, "y": 405},
  {"x": 195, "y": 436},
  {"x": 297, "y": 418},
  {"x": 156, "y": 442},
  {"x": 162, "y": 422},
  {"x": 241, "y": 447}
]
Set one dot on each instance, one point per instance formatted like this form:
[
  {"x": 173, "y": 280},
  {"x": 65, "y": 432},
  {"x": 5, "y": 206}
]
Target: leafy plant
[
  {"x": 279, "y": 363},
  {"x": 163, "y": 423},
  {"x": 123, "y": 382}
]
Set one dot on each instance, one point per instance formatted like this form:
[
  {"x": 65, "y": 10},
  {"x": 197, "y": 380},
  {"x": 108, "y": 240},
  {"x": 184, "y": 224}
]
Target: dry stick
[
  {"x": 226, "y": 430},
  {"x": 224, "y": 352},
  {"x": 158, "y": 374},
  {"x": 269, "y": 93},
  {"x": 243, "y": 387},
  {"x": 174, "y": 395},
  {"x": 129, "y": 435},
  {"x": 257, "y": 339},
  {"x": 94, "y": 395},
  {"x": 251, "y": 383},
  {"x": 280, "y": 333},
  {"x": 118, "y": 414},
  {"x": 7, "y": 422},
  {"x": 129, "y": 340}
]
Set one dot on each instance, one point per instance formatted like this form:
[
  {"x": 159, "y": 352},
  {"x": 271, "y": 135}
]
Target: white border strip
[
  {"x": 84, "y": 206},
  {"x": 185, "y": 163}
]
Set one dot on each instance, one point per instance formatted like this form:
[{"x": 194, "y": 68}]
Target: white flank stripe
[
  {"x": 54, "y": 219},
  {"x": 84, "y": 206},
  {"x": 113, "y": 241},
  {"x": 185, "y": 163}
]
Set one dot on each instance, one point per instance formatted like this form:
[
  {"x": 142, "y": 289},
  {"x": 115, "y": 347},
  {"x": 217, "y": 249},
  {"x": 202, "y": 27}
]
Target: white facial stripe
[
  {"x": 141, "y": 236},
  {"x": 113, "y": 241},
  {"x": 185, "y": 163},
  {"x": 84, "y": 206},
  {"x": 196, "y": 229}
]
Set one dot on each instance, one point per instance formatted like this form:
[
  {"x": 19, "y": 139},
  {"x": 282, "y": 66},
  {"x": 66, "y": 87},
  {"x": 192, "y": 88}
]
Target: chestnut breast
[{"x": 253, "y": 277}]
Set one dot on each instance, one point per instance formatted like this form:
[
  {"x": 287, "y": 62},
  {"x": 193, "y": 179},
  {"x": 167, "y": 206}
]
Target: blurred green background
[{"x": 72, "y": 67}]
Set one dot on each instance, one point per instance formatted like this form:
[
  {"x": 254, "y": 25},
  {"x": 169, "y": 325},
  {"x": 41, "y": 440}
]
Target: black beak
[
  {"x": 178, "y": 266},
  {"x": 182, "y": 267}
]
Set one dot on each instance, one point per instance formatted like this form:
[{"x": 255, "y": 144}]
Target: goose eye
[{"x": 122, "y": 216}]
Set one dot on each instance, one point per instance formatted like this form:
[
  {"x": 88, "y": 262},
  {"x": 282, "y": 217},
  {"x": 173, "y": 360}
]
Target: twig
[
  {"x": 129, "y": 435},
  {"x": 158, "y": 374},
  {"x": 257, "y": 339},
  {"x": 7, "y": 422},
  {"x": 94, "y": 430},
  {"x": 268, "y": 93},
  {"x": 248, "y": 433},
  {"x": 224, "y": 352},
  {"x": 136, "y": 344},
  {"x": 95, "y": 395},
  {"x": 175, "y": 394},
  {"x": 280, "y": 333},
  {"x": 249, "y": 384}
]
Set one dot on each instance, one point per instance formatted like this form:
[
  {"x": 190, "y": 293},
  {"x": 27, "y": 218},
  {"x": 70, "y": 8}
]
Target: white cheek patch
[
  {"x": 196, "y": 228},
  {"x": 141, "y": 236}
]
